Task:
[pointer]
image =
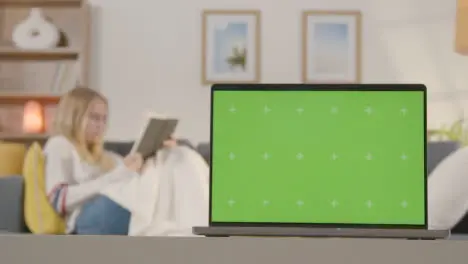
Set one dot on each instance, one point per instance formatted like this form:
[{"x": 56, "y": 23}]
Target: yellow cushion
[
  {"x": 11, "y": 158},
  {"x": 40, "y": 216}
]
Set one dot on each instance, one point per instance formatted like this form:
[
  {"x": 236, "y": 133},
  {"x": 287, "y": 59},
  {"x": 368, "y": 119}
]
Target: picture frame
[
  {"x": 331, "y": 46},
  {"x": 231, "y": 50}
]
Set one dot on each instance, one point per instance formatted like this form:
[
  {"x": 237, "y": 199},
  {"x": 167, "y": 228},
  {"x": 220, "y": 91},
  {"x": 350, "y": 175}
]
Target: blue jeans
[{"x": 102, "y": 216}]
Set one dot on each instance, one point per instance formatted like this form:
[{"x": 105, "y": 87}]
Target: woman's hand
[
  {"x": 134, "y": 162},
  {"x": 170, "y": 143}
]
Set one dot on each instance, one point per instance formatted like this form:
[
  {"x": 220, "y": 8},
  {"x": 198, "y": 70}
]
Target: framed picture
[
  {"x": 230, "y": 46},
  {"x": 331, "y": 47}
]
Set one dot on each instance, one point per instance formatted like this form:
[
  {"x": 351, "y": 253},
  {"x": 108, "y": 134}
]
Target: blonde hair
[{"x": 70, "y": 121}]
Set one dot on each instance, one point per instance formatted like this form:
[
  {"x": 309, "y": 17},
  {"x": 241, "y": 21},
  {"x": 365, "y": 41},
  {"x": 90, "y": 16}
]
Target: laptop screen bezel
[{"x": 319, "y": 87}]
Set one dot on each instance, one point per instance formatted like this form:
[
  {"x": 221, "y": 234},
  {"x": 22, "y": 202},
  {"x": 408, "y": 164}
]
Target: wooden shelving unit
[
  {"x": 72, "y": 17},
  {"x": 21, "y": 99},
  {"x": 13, "y": 54},
  {"x": 41, "y": 3},
  {"x": 26, "y": 139},
  {"x": 35, "y": 71}
]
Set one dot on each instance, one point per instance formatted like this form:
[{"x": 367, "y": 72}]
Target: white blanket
[
  {"x": 447, "y": 191},
  {"x": 170, "y": 196}
]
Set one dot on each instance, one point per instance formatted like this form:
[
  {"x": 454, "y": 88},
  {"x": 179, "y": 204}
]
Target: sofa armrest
[
  {"x": 11, "y": 204},
  {"x": 438, "y": 151},
  {"x": 205, "y": 151}
]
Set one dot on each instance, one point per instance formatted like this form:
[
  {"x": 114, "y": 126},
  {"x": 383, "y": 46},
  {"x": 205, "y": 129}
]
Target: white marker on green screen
[
  {"x": 369, "y": 204},
  {"x": 300, "y": 203},
  {"x": 404, "y": 204},
  {"x": 266, "y": 156},
  {"x": 231, "y": 202},
  {"x": 403, "y": 111},
  {"x": 300, "y": 110},
  {"x": 368, "y": 110},
  {"x": 266, "y": 109},
  {"x": 369, "y": 156},
  {"x": 232, "y": 109},
  {"x": 334, "y": 203},
  {"x": 232, "y": 156},
  {"x": 300, "y": 156},
  {"x": 334, "y": 156},
  {"x": 266, "y": 202},
  {"x": 334, "y": 110},
  {"x": 403, "y": 156}
]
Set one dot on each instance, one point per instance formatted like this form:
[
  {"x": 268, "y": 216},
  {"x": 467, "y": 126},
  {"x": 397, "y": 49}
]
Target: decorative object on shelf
[
  {"x": 64, "y": 41},
  {"x": 62, "y": 70},
  {"x": 331, "y": 47},
  {"x": 66, "y": 77},
  {"x": 33, "y": 118},
  {"x": 230, "y": 46},
  {"x": 36, "y": 32},
  {"x": 456, "y": 132}
]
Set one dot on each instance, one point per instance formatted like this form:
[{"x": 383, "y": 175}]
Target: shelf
[
  {"x": 20, "y": 99},
  {"x": 7, "y": 136},
  {"x": 14, "y": 54},
  {"x": 40, "y": 3},
  {"x": 26, "y": 139}
]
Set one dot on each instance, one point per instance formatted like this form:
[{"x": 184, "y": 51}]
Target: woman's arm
[{"x": 63, "y": 192}]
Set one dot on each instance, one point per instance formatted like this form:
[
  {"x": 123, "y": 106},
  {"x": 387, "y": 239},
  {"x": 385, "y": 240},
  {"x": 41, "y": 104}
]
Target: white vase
[{"x": 35, "y": 32}]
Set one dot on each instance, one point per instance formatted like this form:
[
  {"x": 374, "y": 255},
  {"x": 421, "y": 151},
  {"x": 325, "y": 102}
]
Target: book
[{"x": 156, "y": 130}]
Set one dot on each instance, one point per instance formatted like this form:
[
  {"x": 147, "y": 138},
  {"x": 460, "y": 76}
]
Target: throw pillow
[{"x": 40, "y": 216}]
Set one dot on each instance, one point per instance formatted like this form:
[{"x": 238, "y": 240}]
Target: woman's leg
[{"x": 102, "y": 216}]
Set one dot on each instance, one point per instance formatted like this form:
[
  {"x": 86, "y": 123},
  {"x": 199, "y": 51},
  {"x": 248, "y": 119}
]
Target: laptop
[{"x": 314, "y": 160}]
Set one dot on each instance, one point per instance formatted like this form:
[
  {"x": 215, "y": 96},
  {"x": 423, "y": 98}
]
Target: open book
[{"x": 156, "y": 130}]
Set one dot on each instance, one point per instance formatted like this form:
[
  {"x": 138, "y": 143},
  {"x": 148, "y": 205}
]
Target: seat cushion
[{"x": 11, "y": 204}]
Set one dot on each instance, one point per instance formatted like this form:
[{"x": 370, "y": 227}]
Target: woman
[{"x": 79, "y": 172}]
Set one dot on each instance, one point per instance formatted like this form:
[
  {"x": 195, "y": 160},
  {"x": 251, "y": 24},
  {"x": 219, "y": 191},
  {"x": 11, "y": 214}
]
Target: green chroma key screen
[{"x": 331, "y": 157}]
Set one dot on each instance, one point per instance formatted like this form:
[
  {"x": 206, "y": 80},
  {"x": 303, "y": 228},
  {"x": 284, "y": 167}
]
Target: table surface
[{"x": 234, "y": 250}]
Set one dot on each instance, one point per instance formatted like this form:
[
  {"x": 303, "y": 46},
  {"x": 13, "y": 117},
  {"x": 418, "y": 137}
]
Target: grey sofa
[{"x": 11, "y": 188}]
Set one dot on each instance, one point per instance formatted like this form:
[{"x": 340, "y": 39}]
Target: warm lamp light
[{"x": 33, "y": 117}]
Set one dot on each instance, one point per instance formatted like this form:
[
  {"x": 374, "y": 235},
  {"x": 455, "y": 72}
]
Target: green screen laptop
[{"x": 318, "y": 156}]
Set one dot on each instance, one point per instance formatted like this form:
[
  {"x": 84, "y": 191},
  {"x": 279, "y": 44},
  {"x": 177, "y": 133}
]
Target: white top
[
  {"x": 70, "y": 181},
  {"x": 448, "y": 191}
]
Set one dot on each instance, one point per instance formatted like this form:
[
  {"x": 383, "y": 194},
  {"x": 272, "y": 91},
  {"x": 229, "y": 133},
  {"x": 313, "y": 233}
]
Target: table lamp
[{"x": 33, "y": 118}]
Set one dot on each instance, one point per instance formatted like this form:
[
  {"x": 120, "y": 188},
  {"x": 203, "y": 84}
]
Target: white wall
[{"x": 147, "y": 54}]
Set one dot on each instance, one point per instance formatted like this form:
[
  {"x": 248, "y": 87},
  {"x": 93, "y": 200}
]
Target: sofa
[{"x": 11, "y": 188}]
